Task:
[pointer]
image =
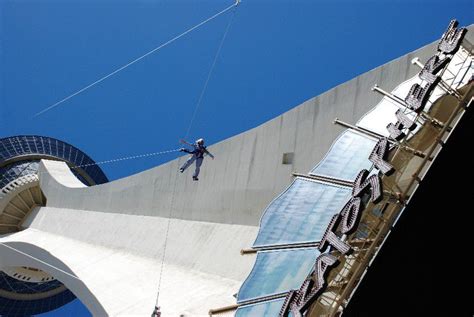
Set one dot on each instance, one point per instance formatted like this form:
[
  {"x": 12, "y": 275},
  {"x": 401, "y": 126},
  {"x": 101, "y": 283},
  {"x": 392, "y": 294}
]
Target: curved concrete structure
[
  {"x": 26, "y": 290},
  {"x": 112, "y": 236},
  {"x": 28, "y": 243},
  {"x": 118, "y": 256}
]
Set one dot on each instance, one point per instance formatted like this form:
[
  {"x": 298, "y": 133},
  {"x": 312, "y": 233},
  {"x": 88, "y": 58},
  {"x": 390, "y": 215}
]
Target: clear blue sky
[{"x": 277, "y": 54}]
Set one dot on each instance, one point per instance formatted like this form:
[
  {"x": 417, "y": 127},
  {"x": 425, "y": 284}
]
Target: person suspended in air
[{"x": 198, "y": 152}]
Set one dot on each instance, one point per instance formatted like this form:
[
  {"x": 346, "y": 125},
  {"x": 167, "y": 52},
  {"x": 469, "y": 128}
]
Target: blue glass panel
[
  {"x": 79, "y": 159},
  {"x": 67, "y": 152},
  {"x": 25, "y": 287},
  {"x": 267, "y": 309},
  {"x": 74, "y": 155},
  {"x": 13, "y": 147},
  {"x": 32, "y": 145},
  {"x": 16, "y": 146},
  {"x": 3, "y": 152},
  {"x": 54, "y": 147},
  {"x": 39, "y": 145},
  {"x": 301, "y": 213},
  {"x": 47, "y": 146},
  {"x": 61, "y": 150},
  {"x": 347, "y": 156},
  {"x": 279, "y": 271},
  {"x": 28, "y": 307},
  {"x": 22, "y": 308},
  {"x": 23, "y": 145}
]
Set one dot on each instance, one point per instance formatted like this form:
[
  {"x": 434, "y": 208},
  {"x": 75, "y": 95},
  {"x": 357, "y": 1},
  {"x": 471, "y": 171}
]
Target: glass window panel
[
  {"x": 74, "y": 156},
  {"x": 41, "y": 146},
  {"x": 67, "y": 152},
  {"x": 301, "y": 213},
  {"x": 47, "y": 146},
  {"x": 25, "y": 145},
  {"x": 269, "y": 308},
  {"x": 56, "y": 148},
  {"x": 16, "y": 145},
  {"x": 80, "y": 160},
  {"x": 9, "y": 148},
  {"x": 3, "y": 151},
  {"x": 32, "y": 145},
  {"x": 61, "y": 150},
  {"x": 347, "y": 156},
  {"x": 279, "y": 271}
]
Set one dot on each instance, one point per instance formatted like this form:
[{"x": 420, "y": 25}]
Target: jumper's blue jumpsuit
[{"x": 198, "y": 156}]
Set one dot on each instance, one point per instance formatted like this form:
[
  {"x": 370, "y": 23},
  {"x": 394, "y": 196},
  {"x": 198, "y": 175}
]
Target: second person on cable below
[{"x": 197, "y": 152}]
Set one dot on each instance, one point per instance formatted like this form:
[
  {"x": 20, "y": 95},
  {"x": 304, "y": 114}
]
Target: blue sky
[{"x": 276, "y": 55}]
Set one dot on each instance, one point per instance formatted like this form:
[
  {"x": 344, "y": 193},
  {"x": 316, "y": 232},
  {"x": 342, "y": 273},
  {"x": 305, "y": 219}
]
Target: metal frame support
[
  {"x": 402, "y": 103},
  {"x": 331, "y": 180},
  {"x": 249, "y": 302},
  {"x": 369, "y": 133},
  {"x": 397, "y": 197},
  {"x": 280, "y": 247},
  {"x": 415, "y": 152},
  {"x": 442, "y": 84},
  {"x": 223, "y": 309}
]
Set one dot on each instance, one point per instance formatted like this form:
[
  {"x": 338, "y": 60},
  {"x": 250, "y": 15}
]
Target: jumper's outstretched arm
[{"x": 209, "y": 153}]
